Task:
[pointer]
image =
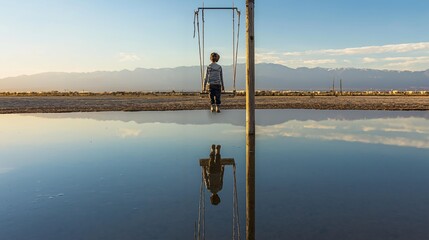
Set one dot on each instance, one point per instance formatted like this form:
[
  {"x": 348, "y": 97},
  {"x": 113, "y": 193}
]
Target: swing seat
[
  {"x": 224, "y": 93},
  {"x": 223, "y": 161}
]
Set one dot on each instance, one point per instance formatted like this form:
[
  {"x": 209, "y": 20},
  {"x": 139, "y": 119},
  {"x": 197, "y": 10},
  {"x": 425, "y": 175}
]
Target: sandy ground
[{"x": 173, "y": 103}]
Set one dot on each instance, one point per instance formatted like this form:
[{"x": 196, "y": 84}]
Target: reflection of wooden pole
[
  {"x": 250, "y": 187},
  {"x": 250, "y": 68}
]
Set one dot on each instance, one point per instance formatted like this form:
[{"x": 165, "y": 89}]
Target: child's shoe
[
  {"x": 212, "y": 108},
  {"x": 218, "y": 108}
]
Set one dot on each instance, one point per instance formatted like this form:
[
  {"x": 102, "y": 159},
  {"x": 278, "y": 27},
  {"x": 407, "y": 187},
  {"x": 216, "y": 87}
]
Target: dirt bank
[{"x": 174, "y": 103}]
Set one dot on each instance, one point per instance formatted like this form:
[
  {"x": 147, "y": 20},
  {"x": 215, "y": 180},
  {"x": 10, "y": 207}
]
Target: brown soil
[{"x": 174, "y": 103}]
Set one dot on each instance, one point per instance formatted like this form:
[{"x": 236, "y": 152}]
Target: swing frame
[
  {"x": 199, "y": 231},
  {"x": 235, "y": 44}
]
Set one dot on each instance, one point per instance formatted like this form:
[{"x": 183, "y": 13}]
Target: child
[
  {"x": 214, "y": 81},
  {"x": 213, "y": 174}
]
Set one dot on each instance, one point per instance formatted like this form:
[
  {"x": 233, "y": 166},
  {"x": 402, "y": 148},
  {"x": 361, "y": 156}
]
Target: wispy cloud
[
  {"x": 291, "y": 134},
  {"x": 318, "y": 126},
  {"x": 271, "y": 57},
  {"x": 407, "y": 62},
  {"x": 391, "y": 48},
  {"x": 128, "y": 57},
  {"x": 369, "y": 60},
  {"x": 319, "y": 61},
  {"x": 405, "y": 56}
]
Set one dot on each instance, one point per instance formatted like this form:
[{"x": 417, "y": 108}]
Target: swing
[
  {"x": 201, "y": 42},
  {"x": 199, "y": 233}
]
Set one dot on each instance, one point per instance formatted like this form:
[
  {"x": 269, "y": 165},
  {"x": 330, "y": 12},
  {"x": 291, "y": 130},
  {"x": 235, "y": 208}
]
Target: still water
[{"x": 319, "y": 175}]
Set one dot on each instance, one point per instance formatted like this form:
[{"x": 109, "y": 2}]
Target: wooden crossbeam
[{"x": 217, "y": 8}]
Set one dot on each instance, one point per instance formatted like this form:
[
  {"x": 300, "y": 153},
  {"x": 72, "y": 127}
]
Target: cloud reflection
[
  {"x": 129, "y": 132},
  {"x": 5, "y": 170},
  {"x": 396, "y": 141},
  {"x": 401, "y": 132}
]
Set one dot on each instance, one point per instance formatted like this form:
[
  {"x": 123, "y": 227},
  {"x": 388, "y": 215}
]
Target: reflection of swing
[
  {"x": 199, "y": 234},
  {"x": 201, "y": 41}
]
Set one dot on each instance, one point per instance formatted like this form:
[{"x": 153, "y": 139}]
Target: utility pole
[
  {"x": 250, "y": 68},
  {"x": 341, "y": 87},
  {"x": 250, "y": 120},
  {"x": 333, "y": 86}
]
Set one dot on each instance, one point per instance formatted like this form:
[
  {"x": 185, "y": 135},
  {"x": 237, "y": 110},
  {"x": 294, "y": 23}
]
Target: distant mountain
[{"x": 268, "y": 76}]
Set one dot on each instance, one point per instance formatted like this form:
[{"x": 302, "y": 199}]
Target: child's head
[
  {"x": 214, "y": 57},
  {"x": 215, "y": 199}
]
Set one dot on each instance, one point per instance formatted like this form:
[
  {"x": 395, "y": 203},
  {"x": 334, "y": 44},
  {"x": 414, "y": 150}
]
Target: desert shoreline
[{"x": 64, "y": 104}]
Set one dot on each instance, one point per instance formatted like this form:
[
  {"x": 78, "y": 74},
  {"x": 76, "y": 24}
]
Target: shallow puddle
[{"x": 115, "y": 175}]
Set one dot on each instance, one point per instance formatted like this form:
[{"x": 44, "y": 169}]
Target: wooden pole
[
  {"x": 250, "y": 120},
  {"x": 250, "y": 68}
]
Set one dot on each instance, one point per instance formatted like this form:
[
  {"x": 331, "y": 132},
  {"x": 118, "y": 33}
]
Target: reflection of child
[
  {"x": 214, "y": 80},
  {"x": 213, "y": 174}
]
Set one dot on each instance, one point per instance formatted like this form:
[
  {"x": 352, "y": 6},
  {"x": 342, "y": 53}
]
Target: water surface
[{"x": 319, "y": 174}]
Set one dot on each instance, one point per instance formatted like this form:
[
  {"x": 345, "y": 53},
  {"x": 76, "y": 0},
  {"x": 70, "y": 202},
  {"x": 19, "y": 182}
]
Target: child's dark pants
[{"x": 215, "y": 93}]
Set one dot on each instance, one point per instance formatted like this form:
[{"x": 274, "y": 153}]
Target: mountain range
[{"x": 268, "y": 77}]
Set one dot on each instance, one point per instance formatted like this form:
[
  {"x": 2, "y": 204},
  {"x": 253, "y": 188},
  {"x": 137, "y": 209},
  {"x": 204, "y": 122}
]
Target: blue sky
[{"x": 79, "y": 36}]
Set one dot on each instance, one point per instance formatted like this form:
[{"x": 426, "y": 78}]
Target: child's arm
[{"x": 221, "y": 79}]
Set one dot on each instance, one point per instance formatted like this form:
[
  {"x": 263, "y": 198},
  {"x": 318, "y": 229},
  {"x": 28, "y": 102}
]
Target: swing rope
[
  {"x": 236, "y": 49},
  {"x": 233, "y": 45},
  {"x": 203, "y": 52},
  {"x": 201, "y": 210},
  {"x": 235, "y": 212},
  {"x": 197, "y": 26},
  {"x": 201, "y": 42}
]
